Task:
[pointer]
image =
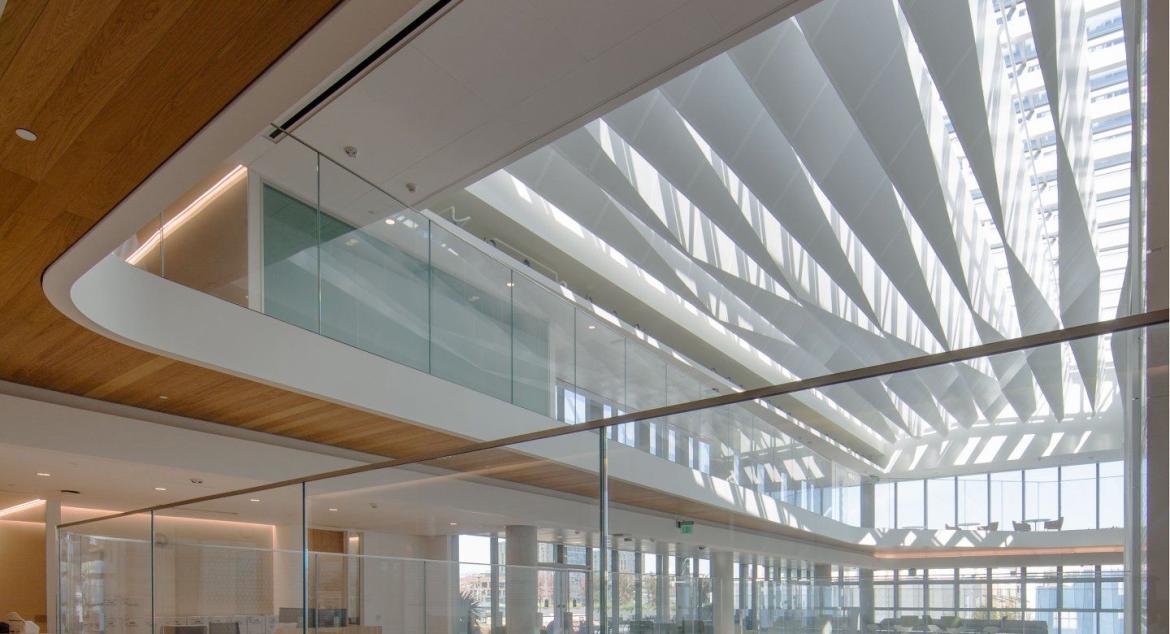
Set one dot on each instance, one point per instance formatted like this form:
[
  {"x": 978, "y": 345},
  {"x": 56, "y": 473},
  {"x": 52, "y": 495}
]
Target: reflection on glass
[
  {"x": 543, "y": 354},
  {"x": 1078, "y": 496},
  {"x": 1111, "y": 510},
  {"x": 374, "y": 271},
  {"x": 972, "y": 500},
  {"x": 910, "y": 504},
  {"x": 1007, "y": 501},
  {"x": 106, "y": 581},
  {"x": 940, "y": 503},
  {"x": 471, "y": 316},
  {"x": 236, "y": 559}
]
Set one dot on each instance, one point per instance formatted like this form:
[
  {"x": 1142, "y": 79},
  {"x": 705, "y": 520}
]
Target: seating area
[
  {"x": 1021, "y": 527},
  {"x": 958, "y": 625}
]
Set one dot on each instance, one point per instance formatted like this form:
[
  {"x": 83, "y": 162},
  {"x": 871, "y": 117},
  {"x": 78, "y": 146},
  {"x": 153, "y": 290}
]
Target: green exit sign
[{"x": 686, "y": 526}]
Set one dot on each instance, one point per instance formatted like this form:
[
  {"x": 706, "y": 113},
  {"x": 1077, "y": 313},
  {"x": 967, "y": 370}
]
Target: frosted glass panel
[{"x": 290, "y": 259}]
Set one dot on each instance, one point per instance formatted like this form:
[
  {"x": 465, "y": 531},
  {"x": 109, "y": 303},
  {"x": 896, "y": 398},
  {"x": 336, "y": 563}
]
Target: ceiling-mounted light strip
[
  {"x": 20, "y": 507},
  {"x": 188, "y": 212}
]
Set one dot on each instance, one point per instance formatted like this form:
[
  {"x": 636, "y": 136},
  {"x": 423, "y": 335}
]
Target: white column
[
  {"x": 52, "y": 564},
  {"x": 442, "y": 605},
  {"x": 1157, "y": 444},
  {"x": 722, "y": 593},
  {"x": 684, "y": 611},
  {"x": 287, "y": 568},
  {"x": 520, "y": 553},
  {"x": 865, "y": 575},
  {"x": 662, "y": 584}
]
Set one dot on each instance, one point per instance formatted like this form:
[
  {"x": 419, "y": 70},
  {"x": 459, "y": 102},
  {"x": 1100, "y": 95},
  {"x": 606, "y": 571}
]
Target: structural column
[
  {"x": 561, "y": 620},
  {"x": 441, "y": 584},
  {"x": 590, "y": 600},
  {"x": 614, "y": 588},
  {"x": 722, "y": 593},
  {"x": 639, "y": 560},
  {"x": 662, "y": 584},
  {"x": 494, "y": 558},
  {"x": 52, "y": 563},
  {"x": 1157, "y": 288},
  {"x": 822, "y": 587},
  {"x": 865, "y": 575},
  {"x": 520, "y": 553},
  {"x": 754, "y": 592},
  {"x": 744, "y": 593},
  {"x": 662, "y": 440},
  {"x": 682, "y": 587},
  {"x": 682, "y": 449},
  {"x": 642, "y": 438}
]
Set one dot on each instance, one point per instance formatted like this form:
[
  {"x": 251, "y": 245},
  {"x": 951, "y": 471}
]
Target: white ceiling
[
  {"x": 91, "y": 452},
  {"x": 490, "y": 78}
]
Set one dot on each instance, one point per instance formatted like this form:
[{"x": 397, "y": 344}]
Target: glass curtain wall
[
  {"x": 1078, "y": 496},
  {"x": 1078, "y": 599}
]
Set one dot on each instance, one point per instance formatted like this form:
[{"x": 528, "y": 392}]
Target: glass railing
[
  {"x": 234, "y": 590},
  {"x": 296, "y": 236},
  {"x": 567, "y": 530},
  {"x": 114, "y": 581}
]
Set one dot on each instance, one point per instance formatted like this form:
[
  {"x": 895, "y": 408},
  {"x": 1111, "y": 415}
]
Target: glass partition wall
[{"x": 584, "y": 531}]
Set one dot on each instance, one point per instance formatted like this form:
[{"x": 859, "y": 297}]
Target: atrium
[{"x": 658, "y": 317}]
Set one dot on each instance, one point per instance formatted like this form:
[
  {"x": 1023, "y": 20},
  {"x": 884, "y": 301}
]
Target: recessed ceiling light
[
  {"x": 509, "y": 284},
  {"x": 26, "y": 134},
  {"x": 332, "y": 510},
  {"x": 160, "y": 488},
  {"x": 592, "y": 327},
  {"x": 390, "y": 221},
  {"x": 43, "y": 474},
  {"x": 254, "y": 500},
  {"x": 454, "y": 524}
]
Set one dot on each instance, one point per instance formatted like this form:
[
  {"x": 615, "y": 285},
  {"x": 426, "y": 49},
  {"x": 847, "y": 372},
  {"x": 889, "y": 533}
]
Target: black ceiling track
[{"x": 361, "y": 66}]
